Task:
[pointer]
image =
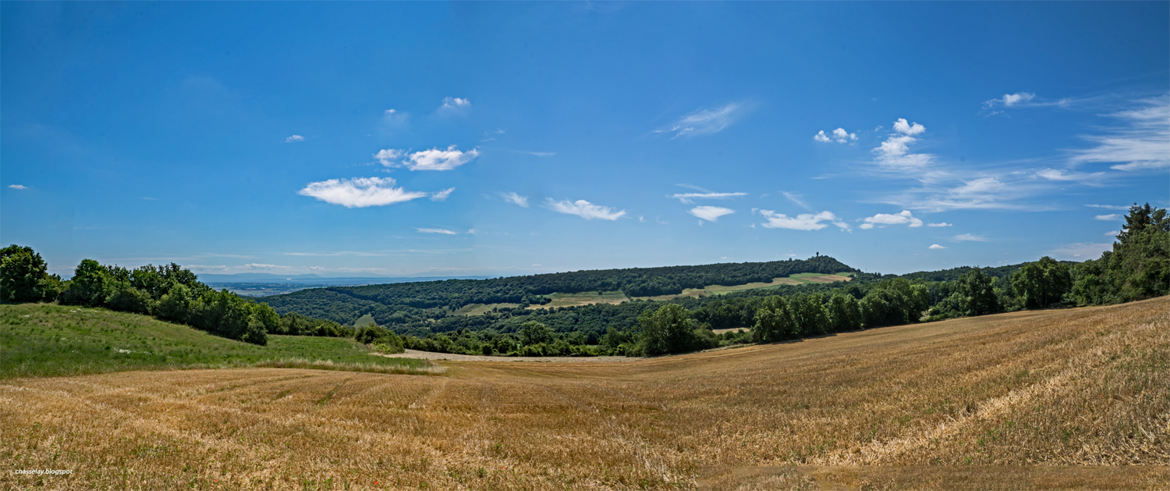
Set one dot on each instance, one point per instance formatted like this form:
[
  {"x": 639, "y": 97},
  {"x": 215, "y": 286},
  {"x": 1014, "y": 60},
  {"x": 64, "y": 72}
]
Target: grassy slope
[
  {"x": 45, "y": 339},
  {"x": 615, "y": 297},
  {"x": 1066, "y": 398}
]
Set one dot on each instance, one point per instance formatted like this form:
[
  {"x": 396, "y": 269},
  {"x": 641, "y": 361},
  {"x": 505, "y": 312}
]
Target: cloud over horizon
[{"x": 359, "y": 192}]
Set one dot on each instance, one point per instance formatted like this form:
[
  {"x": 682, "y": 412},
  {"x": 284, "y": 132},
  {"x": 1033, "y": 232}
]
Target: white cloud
[
  {"x": 906, "y": 128},
  {"x": 388, "y": 156},
  {"x": 689, "y": 197},
  {"x": 1112, "y": 233},
  {"x": 796, "y": 199},
  {"x": 440, "y": 231},
  {"x": 540, "y": 154},
  {"x": 969, "y": 238},
  {"x": 894, "y": 151},
  {"x": 935, "y": 247},
  {"x": 1140, "y": 140},
  {"x": 294, "y": 139},
  {"x": 1081, "y": 250},
  {"x": 939, "y": 224},
  {"x": 903, "y": 217},
  {"x": 516, "y": 199},
  {"x": 803, "y": 221},
  {"x": 442, "y": 195},
  {"x": 360, "y": 192},
  {"x": 1062, "y": 175},
  {"x": 1109, "y": 207},
  {"x": 454, "y": 104},
  {"x": 706, "y": 121},
  {"x": 979, "y": 186},
  {"x": 710, "y": 213},
  {"x": 431, "y": 159},
  {"x": 18, "y": 187},
  {"x": 584, "y": 209},
  {"x": 838, "y": 135},
  {"x": 1013, "y": 99},
  {"x": 1112, "y": 217}
]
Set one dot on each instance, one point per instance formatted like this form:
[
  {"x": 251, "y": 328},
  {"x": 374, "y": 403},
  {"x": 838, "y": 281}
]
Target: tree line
[
  {"x": 168, "y": 292},
  {"x": 1138, "y": 266}
]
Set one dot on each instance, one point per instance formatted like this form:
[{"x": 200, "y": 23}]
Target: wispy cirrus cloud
[
  {"x": 434, "y": 159},
  {"x": 803, "y": 221},
  {"x": 294, "y": 138},
  {"x": 359, "y": 192},
  {"x": 438, "y": 231},
  {"x": 796, "y": 199},
  {"x": 710, "y": 213},
  {"x": 706, "y": 121},
  {"x": 515, "y": 198},
  {"x": 1111, "y": 217},
  {"x": 1080, "y": 251},
  {"x": 969, "y": 238},
  {"x": 1138, "y": 140},
  {"x": 939, "y": 224},
  {"x": 584, "y": 209},
  {"x": 442, "y": 195},
  {"x": 701, "y": 193},
  {"x": 18, "y": 187}
]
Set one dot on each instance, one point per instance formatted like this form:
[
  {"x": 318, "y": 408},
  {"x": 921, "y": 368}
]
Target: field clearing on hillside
[
  {"x": 616, "y": 297},
  {"x": 483, "y": 308},
  {"x": 43, "y": 339},
  {"x": 1060, "y": 398}
]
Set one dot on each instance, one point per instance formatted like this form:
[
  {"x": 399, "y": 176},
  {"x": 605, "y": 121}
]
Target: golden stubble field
[{"x": 1065, "y": 398}]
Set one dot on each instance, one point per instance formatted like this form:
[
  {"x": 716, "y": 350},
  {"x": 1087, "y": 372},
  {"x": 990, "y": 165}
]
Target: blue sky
[{"x": 463, "y": 139}]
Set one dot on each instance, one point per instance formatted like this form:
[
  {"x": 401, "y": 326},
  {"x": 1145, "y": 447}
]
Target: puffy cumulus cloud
[
  {"x": 431, "y": 159},
  {"x": 706, "y": 121},
  {"x": 894, "y": 151},
  {"x": 710, "y": 213},
  {"x": 360, "y": 192},
  {"x": 935, "y": 247},
  {"x": 515, "y": 198},
  {"x": 903, "y": 217},
  {"x": 442, "y": 195},
  {"x": 803, "y": 221},
  {"x": 839, "y": 135},
  {"x": 294, "y": 139},
  {"x": 454, "y": 104},
  {"x": 907, "y": 128},
  {"x": 18, "y": 187},
  {"x": 584, "y": 209}
]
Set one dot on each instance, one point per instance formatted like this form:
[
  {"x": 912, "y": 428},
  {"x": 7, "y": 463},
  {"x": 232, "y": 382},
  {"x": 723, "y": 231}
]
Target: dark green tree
[
  {"x": 91, "y": 285},
  {"x": 669, "y": 329},
  {"x": 22, "y": 273},
  {"x": 774, "y": 321},
  {"x": 844, "y": 313},
  {"x": 808, "y": 313},
  {"x": 976, "y": 293},
  {"x": 1042, "y": 283}
]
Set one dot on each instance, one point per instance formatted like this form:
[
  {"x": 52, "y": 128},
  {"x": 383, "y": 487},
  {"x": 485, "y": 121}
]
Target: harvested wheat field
[{"x": 1065, "y": 398}]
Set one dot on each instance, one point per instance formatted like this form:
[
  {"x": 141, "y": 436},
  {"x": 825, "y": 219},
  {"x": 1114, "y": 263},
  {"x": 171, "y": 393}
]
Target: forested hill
[{"x": 345, "y": 304}]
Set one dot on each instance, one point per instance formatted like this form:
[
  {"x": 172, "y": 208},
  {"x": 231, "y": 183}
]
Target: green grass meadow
[{"x": 49, "y": 339}]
